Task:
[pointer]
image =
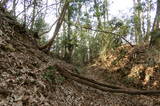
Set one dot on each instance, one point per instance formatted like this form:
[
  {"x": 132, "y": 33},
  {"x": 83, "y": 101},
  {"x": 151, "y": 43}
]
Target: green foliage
[
  {"x": 40, "y": 25},
  {"x": 43, "y": 40},
  {"x": 51, "y": 76},
  {"x": 78, "y": 30},
  {"x": 72, "y": 42},
  {"x": 51, "y": 68},
  {"x": 78, "y": 70}
]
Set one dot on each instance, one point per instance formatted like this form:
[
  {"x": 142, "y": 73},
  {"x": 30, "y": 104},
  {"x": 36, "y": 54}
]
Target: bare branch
[
  {"x": 24, "y": 10},
  {"x": 48, "y": 30},
  {"x": 106, "y": 32},
  {"x": 41, "y": 10}
]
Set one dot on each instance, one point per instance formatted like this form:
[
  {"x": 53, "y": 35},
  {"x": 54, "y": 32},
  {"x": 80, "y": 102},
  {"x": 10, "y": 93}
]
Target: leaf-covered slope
[{"x": 136, "y": 66}]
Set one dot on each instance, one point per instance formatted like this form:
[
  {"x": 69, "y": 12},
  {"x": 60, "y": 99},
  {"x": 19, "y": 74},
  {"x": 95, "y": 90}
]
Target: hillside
[
  {"x": 29, "y": 77},
  {"x": 136, "y": 67}
]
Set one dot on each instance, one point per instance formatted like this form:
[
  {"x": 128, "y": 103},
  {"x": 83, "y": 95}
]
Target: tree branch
[
  {"x": 96, "y": 30},
  {"x": 24, "y": 10},
  {"x": 48, "y": 30},
  {"x": 109, "y": 33}
]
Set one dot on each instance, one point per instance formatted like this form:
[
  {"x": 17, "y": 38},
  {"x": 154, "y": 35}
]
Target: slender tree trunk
[
  {"x": 156, "y": 24},
  {"x": 47, "y": 47},
  {"x": 64, "y": 38},
  {"x": 25, "y": 13},
  {"x": 98, "y": 16},
  {"x": 105, "y": 10},
  {"x": 33, "y": 14},
  {"x": 139, "y": 30},
  {"x": 14, "y": 7},
  {"x": 148, "y": 20},
  {"x": 69, "y": 49},
  {"x": 137, "y": 21},
  {"x": 156, "y": 27}
]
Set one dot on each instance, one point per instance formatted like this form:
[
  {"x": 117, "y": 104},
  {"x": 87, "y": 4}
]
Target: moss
[{"x": 9, "y": 47}]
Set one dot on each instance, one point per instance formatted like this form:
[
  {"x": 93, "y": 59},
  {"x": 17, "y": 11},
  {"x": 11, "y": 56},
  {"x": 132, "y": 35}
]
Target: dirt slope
[
  {"x": 136, "y": 66},
  {"x": 22, "y": 81}
]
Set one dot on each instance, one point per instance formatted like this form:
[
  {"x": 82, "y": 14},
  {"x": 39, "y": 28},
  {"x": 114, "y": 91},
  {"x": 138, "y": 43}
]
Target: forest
[{"x": 79, "y": 53}]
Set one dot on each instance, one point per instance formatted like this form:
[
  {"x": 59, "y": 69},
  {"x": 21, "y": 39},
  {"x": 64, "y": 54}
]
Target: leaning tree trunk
[
  {"x": 156, "y": 24},
  {"x": 47, "y": 47},
  {"x": 155, "y": 35}
]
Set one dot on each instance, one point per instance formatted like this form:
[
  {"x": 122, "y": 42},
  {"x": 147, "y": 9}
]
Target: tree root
[{"x": 103, "y": 87}]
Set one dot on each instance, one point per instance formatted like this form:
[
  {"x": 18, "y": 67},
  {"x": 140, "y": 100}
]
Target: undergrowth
[{"x": 51, "y": 75}]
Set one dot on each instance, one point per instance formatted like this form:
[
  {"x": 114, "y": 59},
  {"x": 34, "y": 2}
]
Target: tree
[
  {"x": 25, "y": 13},
  {"x": 155, "y": 35},
  {"x": 156, "y": 24},
  {"x": 47, "y": 47},
  {"x": 98, "y": 13},
  {"x": 137, "y": 20},
  {"x": 33, "y": 13},
  {"x": 40, "y": 24},
  {"x": 15, "y": 2},
  {"x": 148, "y": 18}
]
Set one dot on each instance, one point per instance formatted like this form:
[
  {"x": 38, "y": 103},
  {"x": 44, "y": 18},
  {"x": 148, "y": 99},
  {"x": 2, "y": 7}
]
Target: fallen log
[
  {"x": 95, "y": 82},
  {"x": 113, "y": 89}
]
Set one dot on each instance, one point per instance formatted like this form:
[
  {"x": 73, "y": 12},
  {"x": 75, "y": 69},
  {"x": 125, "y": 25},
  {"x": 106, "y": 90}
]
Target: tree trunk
[
  {"x": 47, "y": 47},
  {"x": 105, "y": 10},
  {"x": 155, "y": 35},
  {"x": 14, "y": 8},
  {"x": 100, "y": 86},
  {"x": 148, "y": 20},
  {"x": 96, "y": 6},
  {"x": 156, "y": 24},
  {"x": 137, "y": 21},
  {"x": 33, "y": 14},
  {"x": 25, "y": 13},
  {"x": 69, "y": 46}
]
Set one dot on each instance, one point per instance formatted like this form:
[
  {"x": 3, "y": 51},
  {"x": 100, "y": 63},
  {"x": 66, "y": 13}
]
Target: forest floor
[{"x": 28, "y": 76}]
